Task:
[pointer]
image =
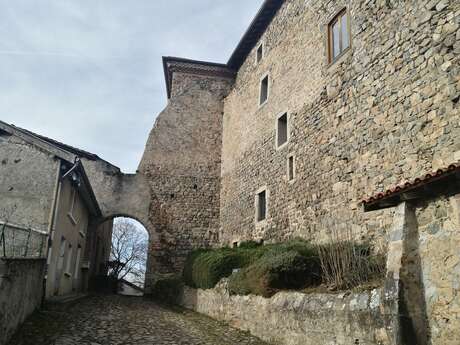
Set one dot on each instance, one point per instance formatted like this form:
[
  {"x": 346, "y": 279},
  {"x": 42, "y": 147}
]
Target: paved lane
[{"x": 110, "y": 320}]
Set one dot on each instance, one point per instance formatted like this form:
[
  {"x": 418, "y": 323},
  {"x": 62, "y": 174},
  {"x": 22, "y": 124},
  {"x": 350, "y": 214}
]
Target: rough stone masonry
[{"x": 386, "y": 111}]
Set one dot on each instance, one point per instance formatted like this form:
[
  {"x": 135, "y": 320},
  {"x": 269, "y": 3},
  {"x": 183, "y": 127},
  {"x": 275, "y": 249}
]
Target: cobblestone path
[{"x": 107, "y": 320}]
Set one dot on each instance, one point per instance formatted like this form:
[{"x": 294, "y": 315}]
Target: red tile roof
[{"x": 409, "y": 186}]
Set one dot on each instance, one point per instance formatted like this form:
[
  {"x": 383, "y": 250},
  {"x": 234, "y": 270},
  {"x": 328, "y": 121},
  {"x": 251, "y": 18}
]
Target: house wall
[
  {"x": 21, "y": 291},
  {"x": 28, "y": 180},
  {"x": 62, "y": 269},
  {"x": 385, "y": 112},
  {"x": 181, "y": 163}
]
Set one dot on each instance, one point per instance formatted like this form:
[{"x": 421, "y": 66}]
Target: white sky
[{"x": 89, "y": 72}]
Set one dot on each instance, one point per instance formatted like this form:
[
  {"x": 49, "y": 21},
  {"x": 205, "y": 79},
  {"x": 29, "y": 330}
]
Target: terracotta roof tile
[{"x": 412, "y": 184}]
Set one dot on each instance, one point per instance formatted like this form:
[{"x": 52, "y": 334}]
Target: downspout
[{"x": 52, "y": 224}]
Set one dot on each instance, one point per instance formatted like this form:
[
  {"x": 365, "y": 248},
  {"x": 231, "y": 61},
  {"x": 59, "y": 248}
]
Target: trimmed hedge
[
  {"x": 296, "y": 264},
  {"x": 205, "y": 268},
  {"x": 187, "y": 274},
  {"x": 277, "y": 269}
]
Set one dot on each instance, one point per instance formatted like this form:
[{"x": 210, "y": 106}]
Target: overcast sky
[{"x": 89, "y": 72}]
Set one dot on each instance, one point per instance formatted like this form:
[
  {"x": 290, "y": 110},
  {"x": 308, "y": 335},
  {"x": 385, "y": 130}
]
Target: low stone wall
[
  {"x": 21, "y": 288},
  {"x": 292, "y": 318}
]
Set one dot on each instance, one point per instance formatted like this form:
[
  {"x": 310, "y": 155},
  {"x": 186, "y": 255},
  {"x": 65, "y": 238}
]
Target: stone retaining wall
[
  {"x": 293, "y": 318},
  {"x": 21, "y": 290}
]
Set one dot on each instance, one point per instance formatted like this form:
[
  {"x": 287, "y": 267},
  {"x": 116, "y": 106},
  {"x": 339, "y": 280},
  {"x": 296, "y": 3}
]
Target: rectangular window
[
  {"x": 62, "y": 247},
  {"x": 260, "y": 53},
  {"x": 263, "y": 90},
  {"x": 68, "y": 265},
  {"x": 77, "y": 263},
  {"x": 282, "y": 128},
  {"x": 261, "y": 205},
  {"x": 291, "y": 168},
  {"x": 339, "y": 35}
]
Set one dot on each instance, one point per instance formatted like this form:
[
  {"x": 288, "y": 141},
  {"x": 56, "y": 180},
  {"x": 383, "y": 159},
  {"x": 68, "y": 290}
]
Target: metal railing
[{"x": 21, "y": 242}]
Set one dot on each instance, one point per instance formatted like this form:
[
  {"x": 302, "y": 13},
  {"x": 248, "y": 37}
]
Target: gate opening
[{"x": 128, "y": 256}]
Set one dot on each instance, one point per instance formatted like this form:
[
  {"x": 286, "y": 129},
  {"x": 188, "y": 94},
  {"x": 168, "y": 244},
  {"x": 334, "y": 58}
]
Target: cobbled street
[{"x": 106, "y": 320}]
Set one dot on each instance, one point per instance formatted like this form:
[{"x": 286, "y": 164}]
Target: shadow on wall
[{"x": 412, "y": 303}]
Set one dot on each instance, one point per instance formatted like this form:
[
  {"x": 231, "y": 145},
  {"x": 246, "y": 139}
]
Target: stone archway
[
  {"x": 176, "y": 192},
  {"x": 150, "y": 265}
]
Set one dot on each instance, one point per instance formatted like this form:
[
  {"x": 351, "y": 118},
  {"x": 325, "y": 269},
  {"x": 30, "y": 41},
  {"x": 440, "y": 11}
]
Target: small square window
[
  {"x": 263, "y": 90},
  {"x": 261, "y": 206},
  {"x": 260, "y": 53},
  {"x": 282, "y": 130},
  {"x": 338, "y": 35},
  {"x": 291, "y": 168}
]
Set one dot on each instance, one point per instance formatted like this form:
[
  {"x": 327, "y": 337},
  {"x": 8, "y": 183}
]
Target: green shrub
[
  {"x": 168, "y": 290},
  {"x": 204, "y": 268},
  {"x": 295, "y": 264},
  {"x": 211, "y": 267},
  {"x": 249, "y": 245},
  {"x": 187, "y": 274},
  {"x": 279, "y": 268},
  {"x": 302, "y": 247}
]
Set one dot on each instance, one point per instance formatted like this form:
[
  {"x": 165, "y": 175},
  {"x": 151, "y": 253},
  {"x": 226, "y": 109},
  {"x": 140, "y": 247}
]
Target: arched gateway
[{"x": 175, "y": 193}]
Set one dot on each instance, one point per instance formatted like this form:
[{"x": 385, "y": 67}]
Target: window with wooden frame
[{"x": 338, "y": 35}]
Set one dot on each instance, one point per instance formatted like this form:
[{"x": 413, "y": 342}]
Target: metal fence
[{"x": 21, "y": 242}]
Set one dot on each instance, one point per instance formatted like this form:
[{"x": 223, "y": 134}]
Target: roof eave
[
  {"x": 447, "y": 184},
  {"x": 255, "y": 30},
  {"x": 176, "y": 64},
  {"x": 37, "y": 141}
]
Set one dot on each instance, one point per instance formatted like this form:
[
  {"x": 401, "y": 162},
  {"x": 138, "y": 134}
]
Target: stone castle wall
[
  {"x": 181, "y": 163},
  {"x": 385, "y": 112}
]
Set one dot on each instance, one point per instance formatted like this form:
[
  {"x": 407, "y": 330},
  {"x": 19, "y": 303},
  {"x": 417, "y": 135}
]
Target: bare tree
[{"x": 129, "y": 251}]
